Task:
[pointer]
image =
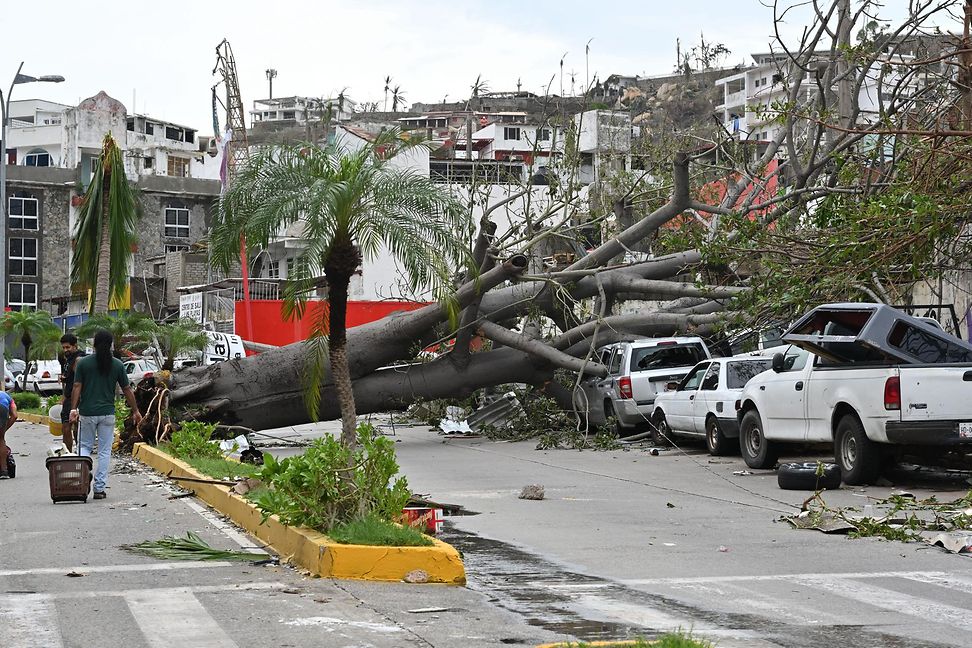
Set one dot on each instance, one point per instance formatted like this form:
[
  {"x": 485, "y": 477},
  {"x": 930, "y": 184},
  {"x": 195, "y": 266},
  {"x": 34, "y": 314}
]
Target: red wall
[{"x": 269, "y": 326}]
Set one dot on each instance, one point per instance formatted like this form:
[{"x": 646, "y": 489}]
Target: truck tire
[
  {"x": 661, "y": 434},
  {"x": 803, "y": 476},
  {"x": 756, "y": 451},
  {"x": 859, "y": 458},
  {"x": 717, "y": 443}
]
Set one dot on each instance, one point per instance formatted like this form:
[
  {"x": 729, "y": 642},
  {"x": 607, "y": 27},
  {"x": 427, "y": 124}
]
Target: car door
[
  {"x": 595, "y": 389},
  {"x": 782, "y": 401},
  {"x": 705, "y": 398},
  {"x": 678, "y": 411}
]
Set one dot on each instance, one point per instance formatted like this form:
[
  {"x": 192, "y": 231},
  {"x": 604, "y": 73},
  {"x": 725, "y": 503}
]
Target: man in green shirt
[{"x": 93, "y": 401}]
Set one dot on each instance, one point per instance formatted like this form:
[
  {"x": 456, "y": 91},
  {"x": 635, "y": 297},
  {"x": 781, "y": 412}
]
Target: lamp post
[{"x": 4, "y": 116}]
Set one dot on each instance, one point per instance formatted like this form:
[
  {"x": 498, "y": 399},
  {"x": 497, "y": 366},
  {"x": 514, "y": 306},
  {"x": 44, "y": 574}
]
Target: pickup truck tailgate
[{"x": 936, "y": 393}]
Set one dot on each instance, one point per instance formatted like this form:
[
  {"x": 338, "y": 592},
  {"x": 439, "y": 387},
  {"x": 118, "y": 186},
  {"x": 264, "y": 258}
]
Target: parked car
[
  {"x": 8, "y": 380},
  {"x": 705, "y": 402},
  {"x": 637, "y": 372},
  {"x": 139, "y": 368},
  {"x": 868, "y": 378},
  {"x": 44, "y": 376}
]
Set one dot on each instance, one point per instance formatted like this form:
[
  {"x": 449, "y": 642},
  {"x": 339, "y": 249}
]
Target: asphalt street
[
  {"x": 66, "y": 583},
  {"x": 630, "y": 544}
]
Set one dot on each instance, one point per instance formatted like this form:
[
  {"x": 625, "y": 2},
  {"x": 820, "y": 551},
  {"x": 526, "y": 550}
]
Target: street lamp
[{"x": 4, "y": 116}]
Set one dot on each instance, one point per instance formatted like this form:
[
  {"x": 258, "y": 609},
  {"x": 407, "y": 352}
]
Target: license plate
[{"x": 965, "y": 430}]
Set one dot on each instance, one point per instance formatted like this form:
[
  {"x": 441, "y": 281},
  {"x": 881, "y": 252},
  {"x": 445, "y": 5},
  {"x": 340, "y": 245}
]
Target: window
[
  {"x": 692, "y": 380},
  {"x": 289, "y": 114},
  {"x": 130, "y": 124},
  {"x": 178, "y": 167},
  {"x": 148, "y": 162},
  {"x": 37, "y": 159},
  {"x": 666, "y": 356},
  {"x": 149, "y": 128},
  {"x": 21, "y": 294},
  {"x": 926, "y": 346},
  {"x": 23, "y": 210},
  {"x": 511, "y": 133},
  {"x": 795, "y": 359},
  {"x": 740, "y": 373},
  {"x": 176, "y": 248},
  {"x": 177, "y": 222},
  {"x": 173, "y": 133},
  {"x": 711, "y": 380},
  {"x": 23, "y": 257},
  {"x": 273, "y": 270},
  {"x": 543, "y": 135},
  {"x": 615, "y": 367}
]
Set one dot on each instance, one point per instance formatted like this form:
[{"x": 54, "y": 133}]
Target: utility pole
[
  {"x": 845, "y": 85},
  {"x": 965, "y": 74},
  {"x": 271, "y": 75}
]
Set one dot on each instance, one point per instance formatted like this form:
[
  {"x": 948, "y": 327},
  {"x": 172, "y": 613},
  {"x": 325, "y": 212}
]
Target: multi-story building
[
  {"x": 49, "y": 153},
  {"x": 300, "y": 110}
]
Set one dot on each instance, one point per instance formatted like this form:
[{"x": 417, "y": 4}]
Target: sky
[{"x": 157, "y": 58}]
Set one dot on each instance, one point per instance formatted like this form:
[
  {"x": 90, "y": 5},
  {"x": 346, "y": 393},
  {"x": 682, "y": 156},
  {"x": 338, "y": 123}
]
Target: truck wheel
[
  {"x": 803, "y": 476},
  {"x": 859, "y": 458},
  {"x": 717, "y": 443},
  {"x": 756, "y": 451},
  {"x": 661, "y": 434}
]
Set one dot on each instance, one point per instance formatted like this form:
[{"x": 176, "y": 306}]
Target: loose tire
[
  {"x": 660, "y": 432},
  {"x": 803, "y": 476},
  {"x": 859, "y": 458},
  {"x": 716, "y": 442},
  {"x": 756, "y": 451}
]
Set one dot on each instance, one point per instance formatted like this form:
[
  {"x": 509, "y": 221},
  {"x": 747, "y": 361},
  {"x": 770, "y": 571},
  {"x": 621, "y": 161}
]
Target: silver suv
[{"x": 637, "y": 372}]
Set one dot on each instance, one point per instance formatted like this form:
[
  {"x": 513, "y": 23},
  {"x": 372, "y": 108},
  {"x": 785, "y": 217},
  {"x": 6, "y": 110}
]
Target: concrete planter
[{"x": 309, "y": 549}]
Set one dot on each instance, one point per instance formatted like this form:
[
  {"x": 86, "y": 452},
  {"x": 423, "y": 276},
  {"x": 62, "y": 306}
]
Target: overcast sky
[{"x": 163, "y": 53}]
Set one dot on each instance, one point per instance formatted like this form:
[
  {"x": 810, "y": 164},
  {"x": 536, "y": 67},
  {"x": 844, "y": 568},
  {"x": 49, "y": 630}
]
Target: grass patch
[
  {"x": 670, "y": 640},
  {"x": 375, "y": 531},
  {"x": 32, "y": 410},
  {"x": 222, "y": 468}
]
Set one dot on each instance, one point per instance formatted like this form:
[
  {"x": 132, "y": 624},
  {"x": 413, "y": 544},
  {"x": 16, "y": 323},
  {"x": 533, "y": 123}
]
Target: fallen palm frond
[{"x": 192, "y": 547}]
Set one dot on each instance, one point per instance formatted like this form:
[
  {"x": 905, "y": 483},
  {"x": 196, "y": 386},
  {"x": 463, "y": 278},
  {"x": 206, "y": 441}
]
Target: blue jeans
[{"x": 102, "y": 428}]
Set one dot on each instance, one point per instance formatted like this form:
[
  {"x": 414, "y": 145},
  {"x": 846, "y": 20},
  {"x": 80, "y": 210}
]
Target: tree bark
[{"x": 102, "y": 287}]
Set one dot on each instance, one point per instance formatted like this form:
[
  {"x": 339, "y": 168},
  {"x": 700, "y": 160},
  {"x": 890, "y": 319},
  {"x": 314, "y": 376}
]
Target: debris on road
[
  {"x": 74, "y": 574},
  {"x": 742, "y": 473},
  {"x": 723, "y": 549},
  {"x": 245, "y": 486},
  {"x": 416, "y": 576},
  {"x": 532, "y": 492},
  {"x": 809, "y": 476},
  {"x": 192, "y": 547},
  {"x": 956, "y": 542}
]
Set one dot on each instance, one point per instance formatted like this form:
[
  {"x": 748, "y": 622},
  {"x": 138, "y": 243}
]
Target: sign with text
[{"x": 191, "y": 306}]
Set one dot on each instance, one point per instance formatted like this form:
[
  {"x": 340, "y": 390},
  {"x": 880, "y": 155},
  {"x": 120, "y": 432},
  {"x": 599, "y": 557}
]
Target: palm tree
[
  {"x": 176, "y": 338},
  {"x": 352, "y": 204},
  {"x": 105, "y": 231},
  {"x": 30, "y": 325},
  {"x": 126, "y": 327},
  {"x": 387, "y": 88},
  {"x": 398, "y": 97}
]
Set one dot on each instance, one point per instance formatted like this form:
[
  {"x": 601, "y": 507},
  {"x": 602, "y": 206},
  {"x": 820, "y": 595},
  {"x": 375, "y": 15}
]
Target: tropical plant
[
  {"x": 105, "y": 230},
  {"x": 398, "y": 98},
  {"x": 127, "y": 327},
  {"x": 177, "y": 338},
  {"x": 31, "y": 325},
  {"x": 351, "y": 204}
]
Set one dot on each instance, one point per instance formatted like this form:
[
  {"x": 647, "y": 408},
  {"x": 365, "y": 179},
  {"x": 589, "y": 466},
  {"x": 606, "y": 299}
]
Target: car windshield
[
  {"x": 740, "y": 372},
  {"x": 666, "y": 356}
]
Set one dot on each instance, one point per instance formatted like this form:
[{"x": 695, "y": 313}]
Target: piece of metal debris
[{"x": 959, "y": 542}]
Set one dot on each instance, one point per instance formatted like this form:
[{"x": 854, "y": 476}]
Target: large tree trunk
[{"x": 103, "y": 285}]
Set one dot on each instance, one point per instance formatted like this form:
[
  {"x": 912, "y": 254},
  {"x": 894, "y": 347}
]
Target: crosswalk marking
[
  {"x": 888, "y": 599},
  {"x": 176, "y": 618},
  {"x": 777, "y": 577},
  {"x": 107, "y": 569},
  {"x": 950, "y": 581},
  {"x": 29, "y": 621}
]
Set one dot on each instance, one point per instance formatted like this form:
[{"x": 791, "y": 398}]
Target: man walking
[
  {"x": 8, "y": 416},
  {"x": 93, "y": 401},
  {"x": 69, "y": 347}
]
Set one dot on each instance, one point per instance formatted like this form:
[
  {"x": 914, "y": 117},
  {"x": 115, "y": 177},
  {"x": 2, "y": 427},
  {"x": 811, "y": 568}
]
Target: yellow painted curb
[
  {"x": 574, "y": 644},
  {"x": 309, "y": 549},
  {"x": 33, "y": 418}
]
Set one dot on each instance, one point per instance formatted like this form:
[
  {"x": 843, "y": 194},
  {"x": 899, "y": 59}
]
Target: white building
[
  {"x": 47, "y": 134},
  {"x": 300, "y": 110}
]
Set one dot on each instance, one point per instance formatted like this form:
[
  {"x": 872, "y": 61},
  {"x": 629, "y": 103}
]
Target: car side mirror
[
  {"x": 778, "y": 362},
  {"x": 672, "y": 386}
]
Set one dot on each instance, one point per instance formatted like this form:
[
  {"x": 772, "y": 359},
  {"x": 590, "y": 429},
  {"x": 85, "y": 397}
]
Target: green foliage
[
  {"x": 38, "y": 334},
  {"x": 331, "y": 483},
  {"x": 193, "y": 441},
  {"x": 178, "y": 338},
  {"x": 352, "y": 205},
  {"x": 192, "y": 547},
  {"x": 128, "y": 328},
  {"x": 220, "y": 468},
  {"x": 372, "y": 530},
  {"x": 27, "y": 400},
  {"x": 116, "y": 200},
  {"x": 51, "y": 401},
  {"x": 122, "y": 412},
  {"x": 677, "y": 639}
]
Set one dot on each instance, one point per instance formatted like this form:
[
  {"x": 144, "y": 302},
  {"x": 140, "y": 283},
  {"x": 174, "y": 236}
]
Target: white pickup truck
[{"x": 868, "y": 378}]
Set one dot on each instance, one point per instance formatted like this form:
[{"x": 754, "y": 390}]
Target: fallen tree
[{"x": 708, "y": 252}]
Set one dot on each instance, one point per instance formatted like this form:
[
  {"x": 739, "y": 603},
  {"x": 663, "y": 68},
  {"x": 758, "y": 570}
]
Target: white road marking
[
  {"x": 332, "y": 621},
  {"x": 950, "y": 581},
  {"x": 29, "y": 621},
  {"x": 108, "y": 569},
  {"x": 777, "y": 577},
  {"x": 748, "y": 600},
  {"x": 227, "y": 529},
  {"x": 165, "y": 591},
  {"x": 897, "y": 602},
  {"x": 176, "y": 618}
]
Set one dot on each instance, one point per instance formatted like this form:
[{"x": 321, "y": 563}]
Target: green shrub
[
  {"x": 329, "y": 484},
  {"x": 27, "y": 400},
  {"x": 192, "y": 441},
  {"x": 51, "y": 401}
]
